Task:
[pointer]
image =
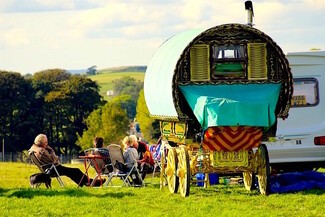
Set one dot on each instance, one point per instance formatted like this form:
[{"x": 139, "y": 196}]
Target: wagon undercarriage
[{"x": 184, "y": 162}]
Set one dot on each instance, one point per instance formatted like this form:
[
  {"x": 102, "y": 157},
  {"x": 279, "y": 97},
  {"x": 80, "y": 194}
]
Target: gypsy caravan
[{"x": 217, "y": 93}]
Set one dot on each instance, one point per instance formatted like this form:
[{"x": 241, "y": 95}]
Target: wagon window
[
  {"x": 305, "y": 92},
  {"x": 228, "y": 61}
]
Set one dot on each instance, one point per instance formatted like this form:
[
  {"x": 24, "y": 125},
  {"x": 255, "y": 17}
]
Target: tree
[
  {"x": 51, "y": 76},
  {"x": 94, "y": 125},
  {"x": 91, "y": 70},
  {"x": 65, "y": 101},
  {"x": 149, "y": 126},
  {"x": 83, "y": 95},
  {"x": 49, "y": 103},
  {"x": 110, "y": 122},
  {"x": 16, "y": 96},
  {"x": 115, "y": 119},
  {"x": 43, "y": 83},
  {"x": 129, "y": 86}
]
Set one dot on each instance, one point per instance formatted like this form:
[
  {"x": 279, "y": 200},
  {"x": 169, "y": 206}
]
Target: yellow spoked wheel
[
  {"x": 183, "y": 172},
  {"x": 249, "y": 180},
  {"x": 171, "y": 169},
  {"x": 263, "y": 171}
]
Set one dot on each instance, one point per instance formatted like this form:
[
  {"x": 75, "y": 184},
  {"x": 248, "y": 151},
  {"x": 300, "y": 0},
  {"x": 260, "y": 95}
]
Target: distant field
[{"x": 105, "y": 80}]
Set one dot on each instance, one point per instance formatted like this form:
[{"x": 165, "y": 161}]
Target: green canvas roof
[{"x": 160, "y": 73}]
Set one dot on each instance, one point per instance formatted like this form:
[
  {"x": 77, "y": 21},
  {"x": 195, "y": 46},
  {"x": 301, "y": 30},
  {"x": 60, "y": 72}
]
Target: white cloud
[
  {"x": 78, "y": 33},
  {"x": 15, "y": 38},
  {"x": 25, "y": 6},
  {"x": 315, "y": 4}
]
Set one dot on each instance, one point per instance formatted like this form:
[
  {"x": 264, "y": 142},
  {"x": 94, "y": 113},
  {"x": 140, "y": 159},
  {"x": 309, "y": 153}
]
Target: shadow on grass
[
  {"x": 308, "y": 192},
  {"x": 223, "y": 190},
  {"x": 3, "y": 191},
  {"x": 31, "y": 193},
  {"x": 240, "y": 190}
]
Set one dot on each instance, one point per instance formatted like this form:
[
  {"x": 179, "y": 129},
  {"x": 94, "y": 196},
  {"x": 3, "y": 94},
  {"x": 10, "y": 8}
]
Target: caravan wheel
[
  {"x": 249, "y": 180},
  {"x": 263, "y": 171},
  {"x": 183, "y": 172},
  {"x": 171, "y": 169}
]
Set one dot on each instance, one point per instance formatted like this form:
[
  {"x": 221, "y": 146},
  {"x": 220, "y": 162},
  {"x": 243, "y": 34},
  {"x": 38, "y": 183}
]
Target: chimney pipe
[{"x": 250, "y": 12}]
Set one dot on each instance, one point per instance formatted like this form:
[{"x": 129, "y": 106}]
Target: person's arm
[
  {"x": 145, "y": 157},
  {"x": 126, "y": 156},
  {"x": 49, "y": 156},
  {"x": 146, "y": 153}
]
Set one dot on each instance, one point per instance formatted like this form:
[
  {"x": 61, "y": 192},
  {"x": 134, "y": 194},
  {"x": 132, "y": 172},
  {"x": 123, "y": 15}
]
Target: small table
[{"x": 89, "y": 160}]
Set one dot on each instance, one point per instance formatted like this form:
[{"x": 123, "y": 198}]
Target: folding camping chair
[
  {"x": 49, "y": 169},
  {"x": 117, "y": 160},
  {"x": 101, "y": 164}
]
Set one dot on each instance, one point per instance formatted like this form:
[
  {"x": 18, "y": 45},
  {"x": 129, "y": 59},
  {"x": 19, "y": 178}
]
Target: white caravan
[{"x": 300, "y": 139}]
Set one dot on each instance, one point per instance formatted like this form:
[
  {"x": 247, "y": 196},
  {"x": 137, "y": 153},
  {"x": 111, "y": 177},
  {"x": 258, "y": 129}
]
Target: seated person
[
  {"x": 146, "y": 162},
  {"x": 100, "y": 150},
  {"x": 46, "y": 155},
  {"x": 130, "y": 156}
]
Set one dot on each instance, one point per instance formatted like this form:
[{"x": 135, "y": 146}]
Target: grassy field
[
  {"x": 105, "y": 80},
  {"x": 18, "y": 199}
]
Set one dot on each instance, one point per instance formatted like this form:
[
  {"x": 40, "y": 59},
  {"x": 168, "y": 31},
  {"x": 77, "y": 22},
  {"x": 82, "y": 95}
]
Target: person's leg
[
  {"x": 142, "y": 170},
  {"x": 77, "y": 176},
  {"x": 74, "y": 174},
  {"x": 145, "y": 168}
]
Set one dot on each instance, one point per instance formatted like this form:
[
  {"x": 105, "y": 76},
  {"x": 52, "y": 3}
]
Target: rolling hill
[
  {"x": 106, "y": 78},
  {"x": 123, "y": 69}
]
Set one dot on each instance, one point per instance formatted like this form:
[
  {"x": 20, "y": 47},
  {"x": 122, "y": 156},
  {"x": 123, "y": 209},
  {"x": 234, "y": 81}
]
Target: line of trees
[
  {"x": 53, "y": 102},
  {"x": 112, "y": 120},
  {"x": 69, "y": 109}
]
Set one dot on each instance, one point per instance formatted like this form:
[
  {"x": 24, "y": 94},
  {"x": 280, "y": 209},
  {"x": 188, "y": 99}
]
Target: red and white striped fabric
[{"x": 232, "y": 138}]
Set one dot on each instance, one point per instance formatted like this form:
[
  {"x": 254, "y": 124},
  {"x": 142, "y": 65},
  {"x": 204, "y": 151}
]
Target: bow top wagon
[{"x": 217, "y": 93}]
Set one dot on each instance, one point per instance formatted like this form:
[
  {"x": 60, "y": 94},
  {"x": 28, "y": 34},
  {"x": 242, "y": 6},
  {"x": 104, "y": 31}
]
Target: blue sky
[{"x": 76, "y": 34}]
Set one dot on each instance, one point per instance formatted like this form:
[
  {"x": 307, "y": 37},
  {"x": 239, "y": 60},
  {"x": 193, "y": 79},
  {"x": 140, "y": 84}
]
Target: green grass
[
  {"x": 105, "y": 80},
  {"x": 18, "y": 199}
]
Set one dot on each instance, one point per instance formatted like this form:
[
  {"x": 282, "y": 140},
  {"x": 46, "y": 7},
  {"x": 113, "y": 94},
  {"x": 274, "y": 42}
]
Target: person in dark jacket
[{"x": 46, "y": 155}]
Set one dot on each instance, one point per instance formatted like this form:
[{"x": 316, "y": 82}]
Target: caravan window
[
  {"x": 228, "y": 61},
  {"x": 305, "y": 92}
]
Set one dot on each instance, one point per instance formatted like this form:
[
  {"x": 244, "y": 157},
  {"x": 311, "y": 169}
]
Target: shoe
[{"x": 99, "y": 183}]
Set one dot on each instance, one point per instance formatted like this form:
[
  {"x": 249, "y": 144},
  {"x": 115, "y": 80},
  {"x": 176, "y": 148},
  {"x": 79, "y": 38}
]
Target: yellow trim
[
  {"x": 174, "y": 131},
  {"x": 229, "y": 158}
]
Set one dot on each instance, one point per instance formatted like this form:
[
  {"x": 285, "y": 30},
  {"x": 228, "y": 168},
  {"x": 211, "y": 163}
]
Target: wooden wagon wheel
[
  {"x": 183, "y": 172},
  {"x": 249, "y": 177},
  {"x": 263, "y": 171},
  {"x": 171, "y": 169},
  {"x": 249, "y": 180}
]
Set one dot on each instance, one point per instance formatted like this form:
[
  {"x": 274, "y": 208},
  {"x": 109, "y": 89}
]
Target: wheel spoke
[
  {"x": 263, "y": 170},
  {"x": 249, "y": 180},
  {"x": 172, "y": 178},
  {"x": 184, "y": 172}
]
